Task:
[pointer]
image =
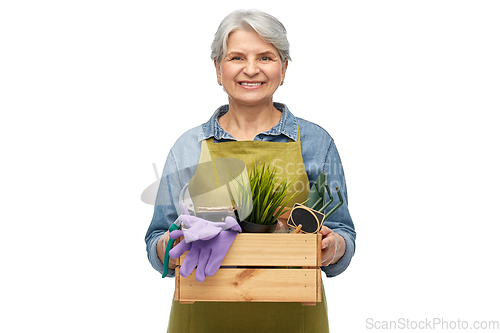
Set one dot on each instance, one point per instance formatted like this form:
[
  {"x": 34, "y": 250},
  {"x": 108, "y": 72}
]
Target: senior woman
[{"x": 251, "y": 53}]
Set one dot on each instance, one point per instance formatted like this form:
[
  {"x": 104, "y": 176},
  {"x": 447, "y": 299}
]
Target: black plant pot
[{"x": 254, "y": 227}]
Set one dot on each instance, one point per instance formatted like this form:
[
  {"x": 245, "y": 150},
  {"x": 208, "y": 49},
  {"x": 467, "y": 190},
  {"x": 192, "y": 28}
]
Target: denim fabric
[{"x": 318, "y": 152}]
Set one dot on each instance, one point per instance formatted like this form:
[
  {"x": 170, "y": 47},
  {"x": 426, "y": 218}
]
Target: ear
[
  {"x": 283, "y": 70},
  {"x": 217, "y": 69}
]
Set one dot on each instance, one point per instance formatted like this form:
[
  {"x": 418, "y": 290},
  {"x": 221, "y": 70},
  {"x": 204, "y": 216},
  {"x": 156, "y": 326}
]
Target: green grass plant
[{"x": 269, "y": 196}]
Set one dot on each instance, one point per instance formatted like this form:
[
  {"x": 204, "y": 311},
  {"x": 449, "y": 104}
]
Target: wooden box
[{"x": 277, "y": 267}]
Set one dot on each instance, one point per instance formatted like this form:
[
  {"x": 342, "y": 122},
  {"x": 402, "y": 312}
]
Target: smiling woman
[
  {"x": 250, "y": 73},
  {"x": 250, "y": 52}
]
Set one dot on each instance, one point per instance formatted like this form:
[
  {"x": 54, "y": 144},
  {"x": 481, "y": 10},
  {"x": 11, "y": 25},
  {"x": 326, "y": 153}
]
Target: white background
[{"x": 93, "y": 92}]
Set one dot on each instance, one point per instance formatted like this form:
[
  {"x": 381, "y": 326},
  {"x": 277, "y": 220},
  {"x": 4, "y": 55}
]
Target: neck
[{"x": 244, "y": 122}]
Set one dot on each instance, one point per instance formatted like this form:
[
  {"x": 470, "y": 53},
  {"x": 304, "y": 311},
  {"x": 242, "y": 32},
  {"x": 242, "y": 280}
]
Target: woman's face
[{"x": 251, "y": 71}]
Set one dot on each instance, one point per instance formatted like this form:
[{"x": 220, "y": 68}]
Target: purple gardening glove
[
  {"x": 202, "y": 229},
  {"x": 206, "y": 254}
]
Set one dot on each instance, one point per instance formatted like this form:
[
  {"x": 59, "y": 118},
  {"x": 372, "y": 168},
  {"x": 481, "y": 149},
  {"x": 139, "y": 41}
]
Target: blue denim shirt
[{"x": 318, "y": 152}]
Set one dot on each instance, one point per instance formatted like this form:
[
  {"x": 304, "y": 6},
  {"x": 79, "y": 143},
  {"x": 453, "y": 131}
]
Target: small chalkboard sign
[{"x": 310, "y": 219}]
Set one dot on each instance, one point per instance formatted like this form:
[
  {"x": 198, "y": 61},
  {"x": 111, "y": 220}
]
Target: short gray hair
[{"x": 269, "y": 28}]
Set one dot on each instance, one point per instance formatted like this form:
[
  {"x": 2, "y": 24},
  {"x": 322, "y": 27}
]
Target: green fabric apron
[{"x": 263, "y": 317}]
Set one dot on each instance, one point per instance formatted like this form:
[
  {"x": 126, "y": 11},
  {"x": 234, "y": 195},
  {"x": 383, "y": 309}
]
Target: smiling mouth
[{"x": 251, "y": 84}]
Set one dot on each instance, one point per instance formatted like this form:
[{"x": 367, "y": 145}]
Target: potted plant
[{"x": 260, "y": 198}]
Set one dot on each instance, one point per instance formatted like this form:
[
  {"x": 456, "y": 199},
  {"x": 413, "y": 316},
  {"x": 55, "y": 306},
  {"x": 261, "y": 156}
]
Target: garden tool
[
  {"x": 175, "y": 226},
  {"x": 311, "y": 214},
  {"x": 205, "y": 224},
  {"x": 184, "y": 198},
  {"x": 317, "y": 200}
]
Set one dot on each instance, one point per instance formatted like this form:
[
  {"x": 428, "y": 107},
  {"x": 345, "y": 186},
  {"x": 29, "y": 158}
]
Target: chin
[
  {"x": 249, "y": 101},
  {"x": 252, "y": 102}
]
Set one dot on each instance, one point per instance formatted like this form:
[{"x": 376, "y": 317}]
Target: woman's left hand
[{"x": 332, "y": 246}]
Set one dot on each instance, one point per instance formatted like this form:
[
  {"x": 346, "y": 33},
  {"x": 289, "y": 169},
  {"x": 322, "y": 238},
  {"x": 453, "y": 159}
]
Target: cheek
[
  {"x": 276, "y": 73},
  {"x": 228, "y": 71}
]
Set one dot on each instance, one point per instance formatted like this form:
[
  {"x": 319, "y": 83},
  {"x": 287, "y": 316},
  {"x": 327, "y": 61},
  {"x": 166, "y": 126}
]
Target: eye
[
  {"x": 236, "y": 58},
  {"x": 265, "y": 58}
]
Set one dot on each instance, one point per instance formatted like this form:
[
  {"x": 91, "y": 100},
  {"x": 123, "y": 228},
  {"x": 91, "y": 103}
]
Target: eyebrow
[{"x": 266, "y": 52}]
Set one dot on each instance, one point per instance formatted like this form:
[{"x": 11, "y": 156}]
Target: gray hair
[{"x": 266, "y": 26}]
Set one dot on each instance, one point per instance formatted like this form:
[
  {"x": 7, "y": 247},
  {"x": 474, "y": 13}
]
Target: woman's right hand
[{"x": 160, "y": 250}]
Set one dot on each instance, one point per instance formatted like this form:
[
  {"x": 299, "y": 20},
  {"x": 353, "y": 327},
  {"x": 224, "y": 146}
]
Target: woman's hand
[
  {"x": 332, "y": 246},
  {"x": 160, "y": 250}
]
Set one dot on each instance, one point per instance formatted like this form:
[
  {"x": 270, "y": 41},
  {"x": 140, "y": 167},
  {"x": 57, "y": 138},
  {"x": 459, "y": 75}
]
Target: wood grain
[
  {"x": 262, "y": 279},
  {"x": 273, "y": 250},
  {"x": 253, "y": 285}
]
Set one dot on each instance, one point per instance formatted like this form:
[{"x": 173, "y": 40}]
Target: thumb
[
  {"x": 325, "y": 231},
  {"x": 176, "y": 234}
]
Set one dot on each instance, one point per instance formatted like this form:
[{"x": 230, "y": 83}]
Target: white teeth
[{"x": 250, "y": 84}]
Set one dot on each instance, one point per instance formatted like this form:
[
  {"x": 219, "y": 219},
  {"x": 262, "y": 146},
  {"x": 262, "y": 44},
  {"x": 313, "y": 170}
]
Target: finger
[
  {"x": 176, "y": 234},
  {"x": 325, "y": 243},
  {"x": 325, "y": 231},
  {"x": 327, "y": 261},
  {"x": 171, "y": 263},
  {"x": 214, "y": 263},
  {"x": 186, "y": 220},
  {"x": 329, "y": 251},
  {"x": 236, "y": 228},
  {"x": 202, "y": 264},
  {"x": 327, "y": 254},
  {"x": 327, "y": 240},
  {"x": 190, "y": 262},
  {"x": 200, "y": 274},
  {"x": 226, "y": 238},
  {"x": 179, "y": 249},
  {"x": 185, "y": 209},
  {"x": 230, "y": 222}
]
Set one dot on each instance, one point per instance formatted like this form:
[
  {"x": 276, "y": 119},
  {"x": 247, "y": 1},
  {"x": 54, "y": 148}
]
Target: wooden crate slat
[
  {"x": 273, "y": 250},
  {"x": 252, "y": 285}
]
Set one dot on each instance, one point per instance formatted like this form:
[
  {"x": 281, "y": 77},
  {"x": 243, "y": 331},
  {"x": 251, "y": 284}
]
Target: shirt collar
[{"x": 287, "y": 125}]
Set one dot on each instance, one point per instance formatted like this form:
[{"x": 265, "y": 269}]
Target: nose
[{"x": 251, "y": 68}]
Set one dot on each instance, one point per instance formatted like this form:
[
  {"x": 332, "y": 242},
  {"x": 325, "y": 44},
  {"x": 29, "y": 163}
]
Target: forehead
[{"x": 248, "y": 41}]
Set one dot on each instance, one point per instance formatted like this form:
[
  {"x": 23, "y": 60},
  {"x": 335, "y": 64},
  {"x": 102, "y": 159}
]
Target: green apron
[{"x": 263, "y": 317}]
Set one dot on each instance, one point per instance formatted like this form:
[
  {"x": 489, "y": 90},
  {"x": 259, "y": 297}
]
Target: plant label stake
[{"x": 310, "y": 219}]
